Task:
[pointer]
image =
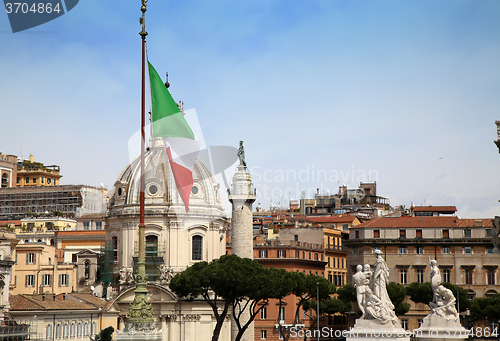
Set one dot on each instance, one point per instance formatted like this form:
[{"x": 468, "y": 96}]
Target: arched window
[
  {"x": 48, "y": 333},
  {"x": 86, "y": 329},
  {"x": 197, "y": 242},
  {"x": 152, "y": 246},
  {"x": 66, "y": 330},
  {"x": 87, "y": 269},
  {"x": 5, "y": 180},
  {"x": 58, "y": 331},
  {"x": 79, "y": 330},
  {"x": 52, "y": 243}
]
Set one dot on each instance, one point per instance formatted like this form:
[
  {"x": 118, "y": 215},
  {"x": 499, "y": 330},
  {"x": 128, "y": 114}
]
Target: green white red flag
[{"x": 180, "y": 142}]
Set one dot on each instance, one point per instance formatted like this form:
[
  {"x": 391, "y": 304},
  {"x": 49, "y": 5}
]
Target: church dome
[{"x": 160, "y": 189}]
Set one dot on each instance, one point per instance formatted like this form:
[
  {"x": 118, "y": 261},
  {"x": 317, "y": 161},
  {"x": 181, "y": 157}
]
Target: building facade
[{"x": 463, "y": 249}]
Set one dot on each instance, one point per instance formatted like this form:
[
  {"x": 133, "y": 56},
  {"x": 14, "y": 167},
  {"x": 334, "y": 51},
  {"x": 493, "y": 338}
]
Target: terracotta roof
[
  {"x": 91, "y": 299},
  {"x": 91, "y": 216},
  {"x": 407, "y": 222},
  {"x": 7, "y": 222},
  {"x": 451, "y": 209},
  {"x": 49, "y": 302}
]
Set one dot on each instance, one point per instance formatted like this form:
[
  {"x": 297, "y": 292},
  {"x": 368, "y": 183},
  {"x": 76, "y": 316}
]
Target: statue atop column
[
  {"x": 241, "y": 154},
  {"x": 497, "y": 142}
]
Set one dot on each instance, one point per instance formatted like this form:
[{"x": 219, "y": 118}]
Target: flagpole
[{"x": 140, "y": 311}]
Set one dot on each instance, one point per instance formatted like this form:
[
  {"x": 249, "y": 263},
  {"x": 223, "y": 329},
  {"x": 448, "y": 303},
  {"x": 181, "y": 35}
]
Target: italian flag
[{"x": 180, "y": 141}]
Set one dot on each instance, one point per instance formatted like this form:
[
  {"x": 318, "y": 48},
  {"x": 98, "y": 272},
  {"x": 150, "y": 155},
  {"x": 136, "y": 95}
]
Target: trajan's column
[{"x": 242, "y": 195}]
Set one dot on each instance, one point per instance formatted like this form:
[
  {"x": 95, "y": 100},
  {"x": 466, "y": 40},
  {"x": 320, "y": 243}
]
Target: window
[
  {"x": 418, "y": 233},
  {"x": 94, "y": 328},
  {"x": 5, "y": 180},
  {"x": 282, "y": 253},
  {"x": 27, "y": 180},
  {"x": 310, "y": 255},
  {"x": 58, "y": 331},
  {"x": 468, "y": 250},
  {"x": 420, "y": 323},
  {"x": 63, "y": 280},
  {"x": 87, "y": 269},
  {"x": 489, "y": 233},
  {"x": 48, "y": 334},
  {"x": 197, "y": 247},
  {"x": 402, "y": 233},
  {"x": 303, "y": 255},
  {"x": 354, "y": 250},
  {"x": 467, "y": 233},
  {"x": 468, "y": 276},
  {"x": 47, "y": 280},
  {"x": 296, "y": 237},
  {"x": 86, "y": 329},
  {"x": 446, "y": 275},
  {"x": 491, "y": 277},
  {"x": 86, "y": 225},
  {"x": 404, "y": 324},
  {"x": 316, "y": 256},
  {"x": 31, "y": 258},
  {"x": 115, "y": 248},
  {"x": 281, "y": 316},
  {"x": 376, "y": 233},
  {"x": 446, "y": 250},
  {"x": 98, "y": 225},
  {"x": 446, "y": 233},
  {"x": 263, "y": 334},
  {"x": 263, "y": 253},
  {"x": 402, "y": 250},
  {"x": 263, "y": 313},
  {"x": 489, "y": 250},
  {"x": 356, "y": 234},
  {"x": 79, "y": 330},
  {"x": 49, "y": 180},
  {"x": 66, "y": 330},
  {"x": 419, "y": 250},
  {"x": 345, "y": 227},
  {"x": 402, "y": 274},
  {"x": 420, "y": 276},
  {"x": 30, "y": 281},
  {"x": 73, "y": 330}
]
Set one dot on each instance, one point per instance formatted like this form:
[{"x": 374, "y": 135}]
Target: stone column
[{"x": 242, "y": 195}]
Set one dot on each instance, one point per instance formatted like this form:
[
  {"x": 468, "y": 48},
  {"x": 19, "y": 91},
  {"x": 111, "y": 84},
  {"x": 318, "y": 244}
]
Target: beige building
[
  {"x": 8, "y": 242},
  {"x": 463, "y": 249},
  {"x": 8, "y": 170},
  {"x": 174, "y": 238},
  {"x": 31, "y": 173},
  {"x": 68, "y": 316},
  {"x": 38, "y": 269}
]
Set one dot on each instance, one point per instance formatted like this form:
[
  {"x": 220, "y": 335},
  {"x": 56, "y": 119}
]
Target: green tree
[
  {"x": 305, "y": 289},
  {"x": 397, "y": 294},
  {"x": 420, "y": 292},
  {"x": 231, "y": 281},
  {"x": 488, "y": 307},
  {"x": 329, "y": 305}
]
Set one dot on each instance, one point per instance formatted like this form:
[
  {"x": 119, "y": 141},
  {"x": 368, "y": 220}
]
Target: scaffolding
[
  {"x": 107, "y": 260},
  {"x": 69, "y": 200},
  {"x": 154, "y": 258}
]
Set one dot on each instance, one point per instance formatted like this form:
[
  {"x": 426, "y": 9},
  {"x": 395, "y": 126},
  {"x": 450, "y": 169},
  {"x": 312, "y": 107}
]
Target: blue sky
[{"x": 402, "y": 92}]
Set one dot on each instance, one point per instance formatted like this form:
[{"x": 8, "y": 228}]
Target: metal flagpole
[{"x": 140, "y": 311}]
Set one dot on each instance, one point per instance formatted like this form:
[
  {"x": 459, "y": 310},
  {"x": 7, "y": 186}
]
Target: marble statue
[
  {"x": 361, "y": 282},
  {"x": 435, "y": 278},
  {"x": 371, "y": 293},
  {"x": 126, "y": 275},
  {"x": 241, "y": 154},
  {"x": 166, "y": 274},
  {"x": 380, "y": 279},
  {"x": 495, "y": 235},
  {"x": 444, "y": 306}
]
